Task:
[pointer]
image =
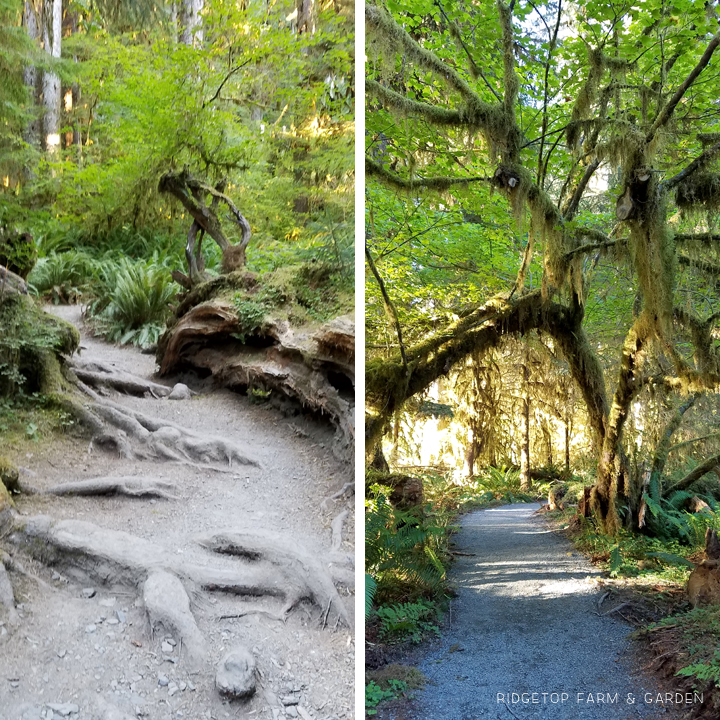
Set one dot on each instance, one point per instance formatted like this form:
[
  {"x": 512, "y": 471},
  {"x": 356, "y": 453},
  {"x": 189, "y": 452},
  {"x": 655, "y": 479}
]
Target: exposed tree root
[
  {"x": 344, "y": 489},
  {"x": 101, "y": 375},
  {"x": 7, "y": 597},
  {"x": 168, "y": 608},
  {"x": 310, "y": 580},
  {"x": 132, "y": 486},
  {"x": 141, "y": 436},
  {"x": 87, "y": 552},
  {"x": 337, "y": 527}
]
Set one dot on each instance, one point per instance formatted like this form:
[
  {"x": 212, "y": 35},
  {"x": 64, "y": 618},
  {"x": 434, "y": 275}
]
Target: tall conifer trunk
[{"x": 51, "y": 36}]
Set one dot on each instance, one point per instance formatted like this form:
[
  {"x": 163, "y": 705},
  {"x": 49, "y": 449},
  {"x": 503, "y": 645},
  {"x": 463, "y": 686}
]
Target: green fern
[{"x": 133, "y": 302}]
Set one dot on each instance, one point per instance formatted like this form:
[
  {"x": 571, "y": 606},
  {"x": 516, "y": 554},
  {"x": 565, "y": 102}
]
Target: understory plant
[{"x": 132, "y": 302}]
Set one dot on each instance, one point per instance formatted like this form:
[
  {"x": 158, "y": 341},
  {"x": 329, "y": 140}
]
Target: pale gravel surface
[
  {"x": 55, "y": 658},
  {"x": 525, "y": 621}
]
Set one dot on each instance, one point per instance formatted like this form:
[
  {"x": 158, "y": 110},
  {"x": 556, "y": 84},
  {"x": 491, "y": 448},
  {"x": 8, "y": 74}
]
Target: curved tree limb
[
  {"x": 706, "y": 467},
  {"x": 662, "y": 449},
  {"x": 396, "y": 101},
  {"x": 379, "y": 21},
  {"x": 699, "y": 162}
]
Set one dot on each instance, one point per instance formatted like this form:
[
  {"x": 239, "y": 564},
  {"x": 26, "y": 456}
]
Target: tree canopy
[{"x": 545, "y": 169}]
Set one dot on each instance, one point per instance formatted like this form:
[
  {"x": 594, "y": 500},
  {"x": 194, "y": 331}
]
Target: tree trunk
[
  {"x": 567, "y": 447},
  {"x": 616, "y": 487},
  {"x": 525, "y": 427},
  {"x": 52, "y": 33},
  {"x": 470, "y": 454},
  {"x": 32, "y": 131},
  {"x": 306, "y": 16},
  {"x": 191, "y": 23}
]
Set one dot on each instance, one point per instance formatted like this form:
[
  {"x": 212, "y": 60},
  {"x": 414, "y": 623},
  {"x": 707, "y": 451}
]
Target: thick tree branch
[
  {"x": 662, "y": 449},
  {"x": 395, "y": 101},
  {"x": 699, "y": 162},
  {"x": 570, "y": 210},
  {"x": 706, "y": 467},
  {"x": 376, "y": 170},
  {"x": 702, "y": 265},
  {"x": 705, "y": 238}
]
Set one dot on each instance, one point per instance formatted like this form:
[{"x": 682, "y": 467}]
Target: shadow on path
[{"x": 524, "y": 622}]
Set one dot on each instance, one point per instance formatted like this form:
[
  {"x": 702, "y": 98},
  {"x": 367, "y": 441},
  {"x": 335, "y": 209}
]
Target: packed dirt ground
[{"x": 85, "y": 642}]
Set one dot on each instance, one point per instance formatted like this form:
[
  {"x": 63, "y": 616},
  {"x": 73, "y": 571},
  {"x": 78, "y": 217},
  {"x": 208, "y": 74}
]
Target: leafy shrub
[
  {"x": 401, "y": 549},
  {"x": 63, "y": 277},
  {"x": 374, "y": 694},
  {"x": 132, "y": 301},
  {"x": 27, "y": 333}
]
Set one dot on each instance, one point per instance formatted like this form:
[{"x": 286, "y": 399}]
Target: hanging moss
[
  {"x": 586, "y": 97},
  {"x": 701, "y": 190},
  {"x": 706, "y": 139}
]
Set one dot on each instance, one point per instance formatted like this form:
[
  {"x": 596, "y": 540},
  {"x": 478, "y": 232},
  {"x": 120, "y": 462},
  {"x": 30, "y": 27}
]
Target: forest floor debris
[{"x": 120, "y": 611}]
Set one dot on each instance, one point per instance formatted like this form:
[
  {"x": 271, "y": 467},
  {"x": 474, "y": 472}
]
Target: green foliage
[
  {"x": 63, "y": 277},
  {"x": 132, "y": 301},
  {"x": 300, "y": 292},
  {"x": 501, "y": 485},
  {"x": 668, "y": 520},
  {"x": 698, "y": 633},
  {"x": 389, "y": 682},
  {"x": 27, "y": 335},
  {"x": 408, "y": 621},
  {"x": 374, "y": 694},
  {"x": 370, "y": 590},
  {"x": 401, "y": 548},
  {"x": 635, "y": 555}
]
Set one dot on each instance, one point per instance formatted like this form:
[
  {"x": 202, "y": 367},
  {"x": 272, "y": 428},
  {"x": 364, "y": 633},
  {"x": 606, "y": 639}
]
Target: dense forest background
[{"x": 99, "y": 100}]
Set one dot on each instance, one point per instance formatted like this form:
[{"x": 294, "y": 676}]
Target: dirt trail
[
  {"x": 88, "y": 653},
  {"x": 525, "y": 621}
]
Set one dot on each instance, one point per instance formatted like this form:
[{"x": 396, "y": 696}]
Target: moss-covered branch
[
  {"x": 379, "y": 22},
  {"x": 707, "y": 267},
  {"x": 387, "y": 385},
  {"x": 663, "y": 447},
  {"x": 395, "y": 102},
  {"x": 394, "y": 180},
  {"x": 708, "y": 466},
  {"x": 697, "y": 164}
]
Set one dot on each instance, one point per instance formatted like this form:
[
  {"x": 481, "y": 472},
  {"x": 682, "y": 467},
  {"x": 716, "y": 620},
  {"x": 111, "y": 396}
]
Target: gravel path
[{"x": 524, "y": 622}]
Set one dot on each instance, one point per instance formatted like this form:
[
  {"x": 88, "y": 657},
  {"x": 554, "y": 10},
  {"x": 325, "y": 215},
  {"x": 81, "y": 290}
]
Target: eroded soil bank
[{"x": 83, "y": 646}]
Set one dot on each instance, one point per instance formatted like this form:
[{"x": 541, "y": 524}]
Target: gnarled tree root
[
  {"x": 7, "y": 597},
  {"x": 101, "y": 375},
  {"x": 303, "y": 572},
  {"x": 140, "y": 436},
  {"x": 168, "y": 608},
  {"x": 86, "y": 551},
  {"x": 125, "y": 485}
]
